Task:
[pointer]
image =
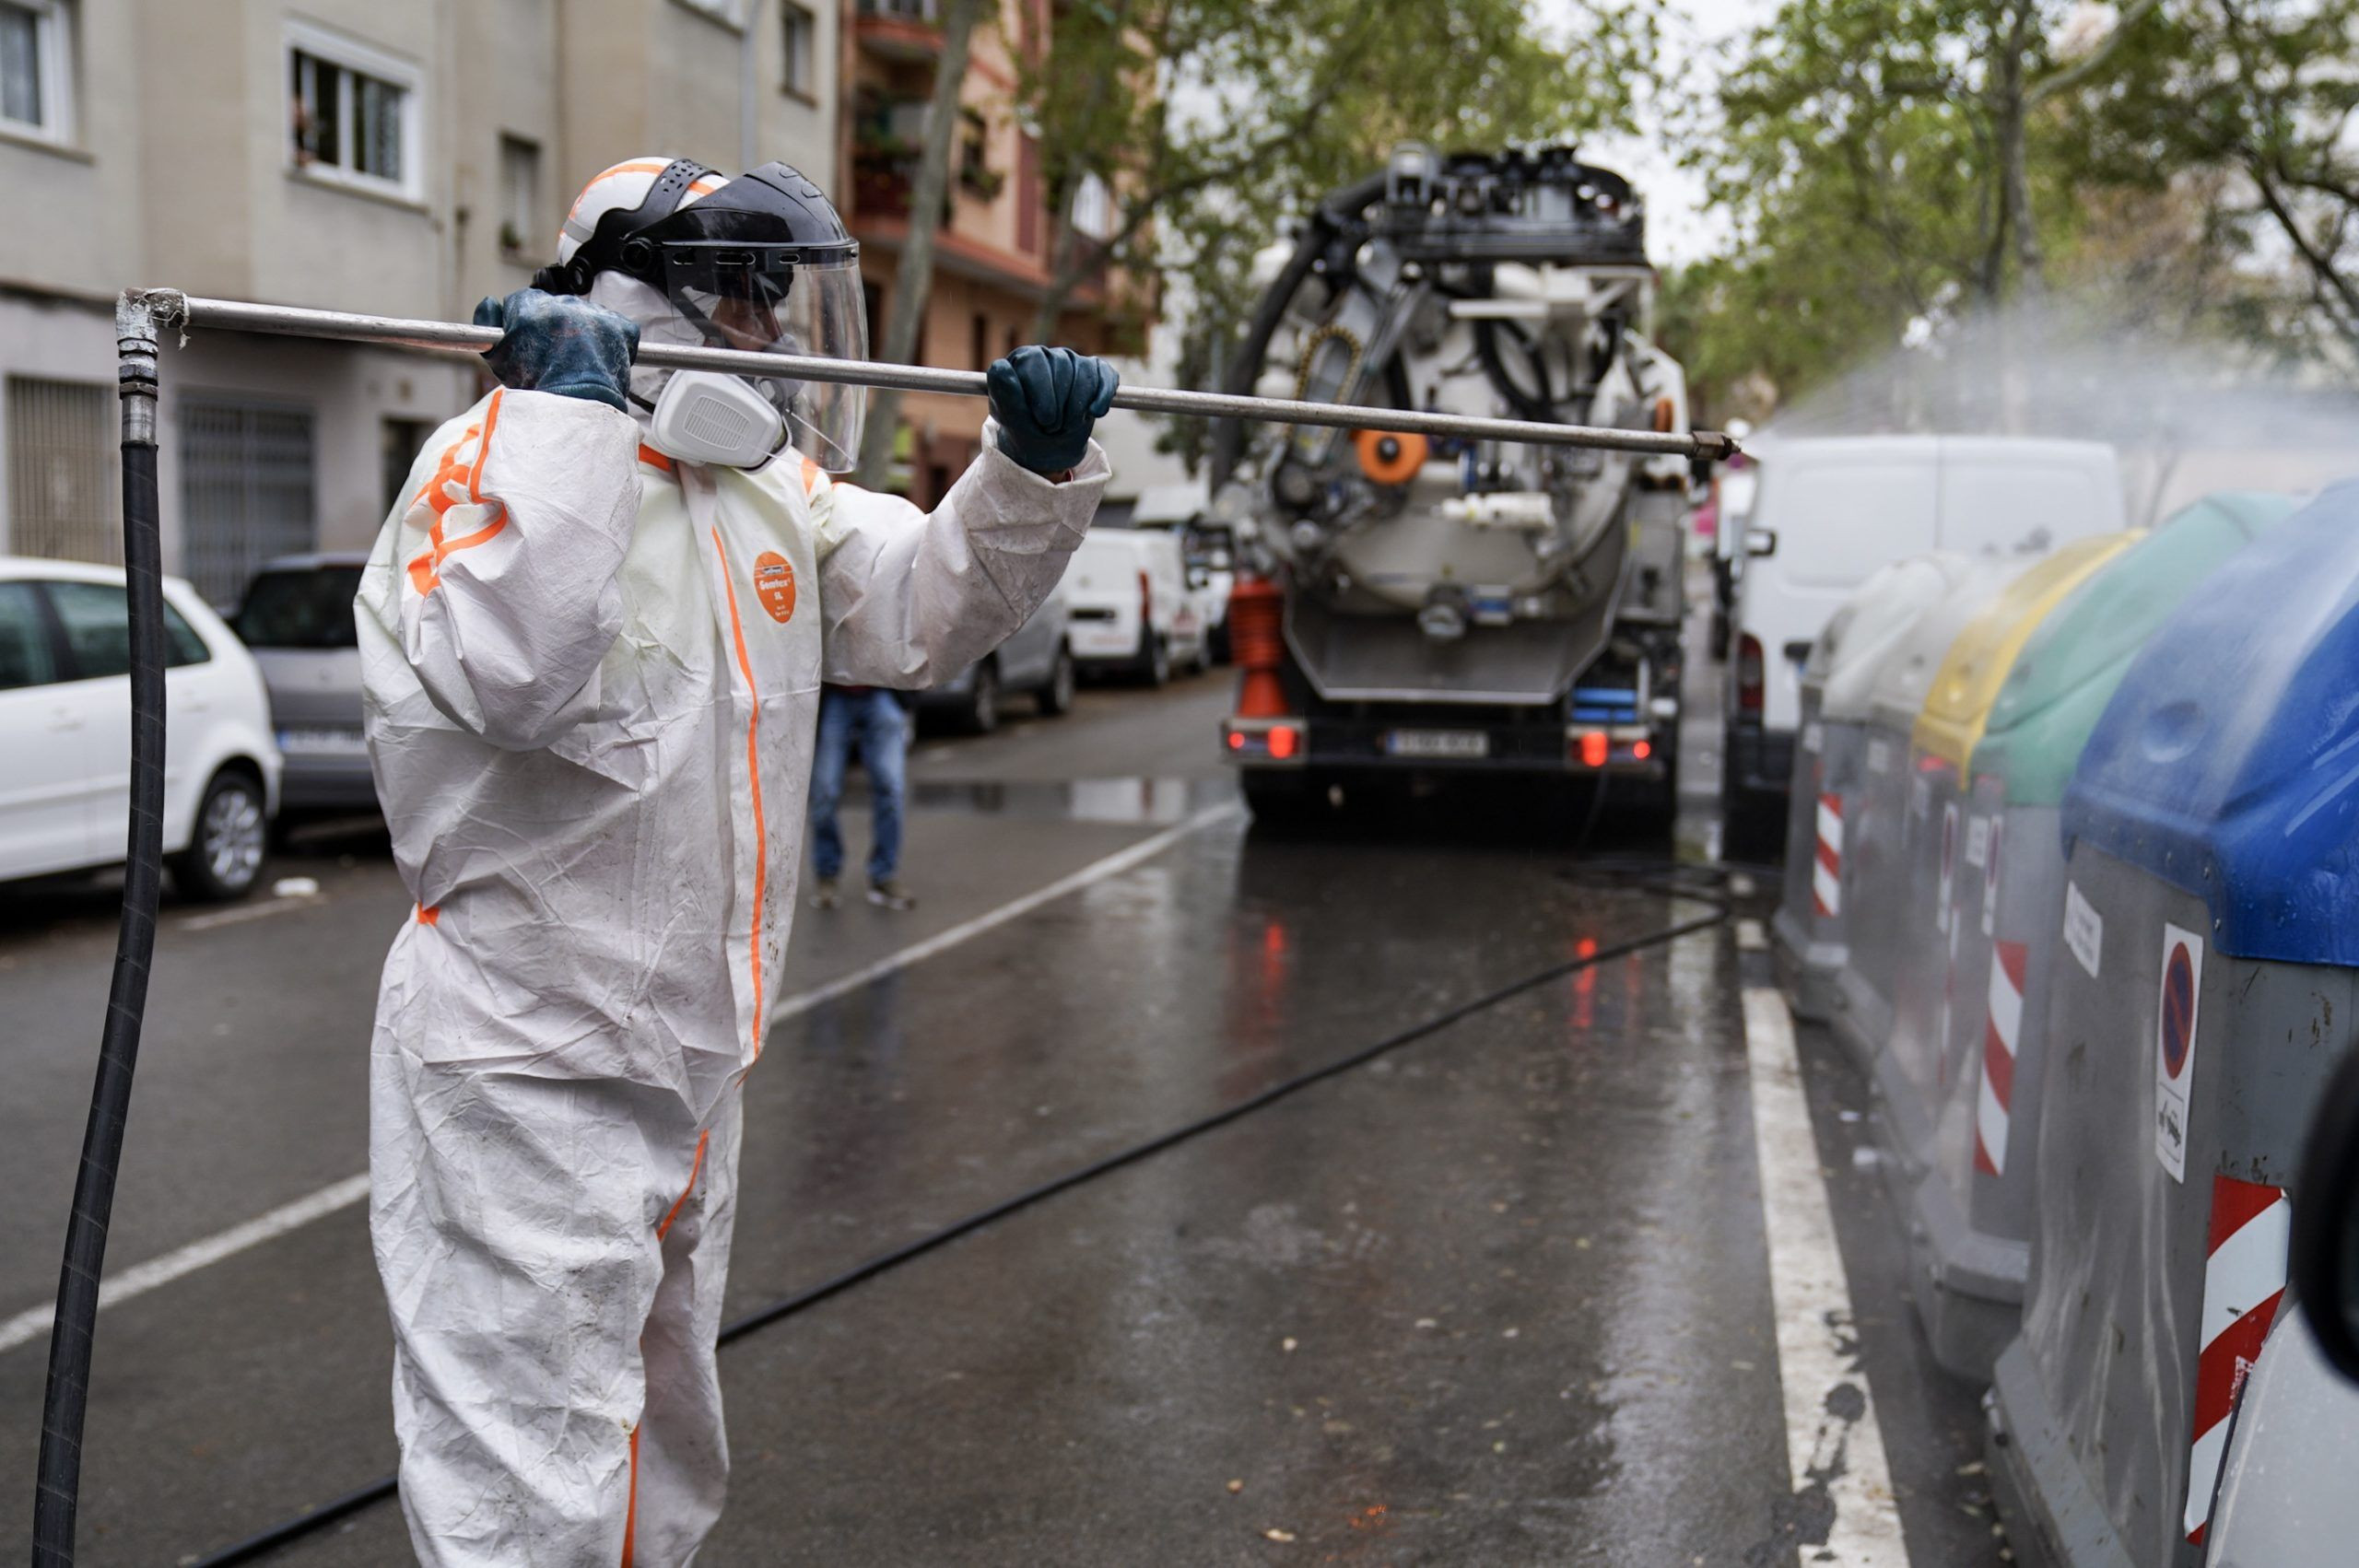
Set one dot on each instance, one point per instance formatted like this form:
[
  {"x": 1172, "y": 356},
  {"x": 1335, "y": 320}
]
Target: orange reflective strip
[
  {"x": 630, "y": 1514},
  {"x": 424, "y": 572},
  {"x": 682, "y": 1201},
  {"x": 429, "y": 914},
  {"x": 752, "y": 780}
]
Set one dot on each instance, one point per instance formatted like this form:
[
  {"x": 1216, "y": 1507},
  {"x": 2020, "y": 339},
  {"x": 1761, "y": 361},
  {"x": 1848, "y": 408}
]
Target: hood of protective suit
[{"x": 658, "y": 322}]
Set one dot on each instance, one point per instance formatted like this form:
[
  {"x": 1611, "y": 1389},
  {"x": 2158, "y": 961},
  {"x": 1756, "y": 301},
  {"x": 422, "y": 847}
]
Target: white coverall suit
[{"x": 591, "y": 681}]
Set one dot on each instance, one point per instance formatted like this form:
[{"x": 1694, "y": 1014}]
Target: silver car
[
  {"x": 297, "y": 617},
  {"x": 1037, "y": 660}
]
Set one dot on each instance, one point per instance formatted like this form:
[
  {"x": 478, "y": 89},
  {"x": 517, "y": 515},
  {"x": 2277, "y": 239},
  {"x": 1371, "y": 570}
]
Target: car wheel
[
  {"x": 981, "y": 716},
  {"x": 1056, "y": 698},
  {"x": 227, "y": 845},
  {"x": 1157, "y": 665}
]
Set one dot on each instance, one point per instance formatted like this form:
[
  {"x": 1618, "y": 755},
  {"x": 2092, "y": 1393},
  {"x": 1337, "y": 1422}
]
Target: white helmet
[{"x": 761, "y": 261}]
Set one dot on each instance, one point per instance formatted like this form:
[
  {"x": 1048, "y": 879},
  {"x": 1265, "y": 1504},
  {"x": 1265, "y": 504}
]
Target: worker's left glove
[
  {"x": 1046, "y": 400},
  {"x": 561, "y": 344}
]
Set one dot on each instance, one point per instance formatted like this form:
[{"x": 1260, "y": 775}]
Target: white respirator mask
[{"x": 705, "y": 417}]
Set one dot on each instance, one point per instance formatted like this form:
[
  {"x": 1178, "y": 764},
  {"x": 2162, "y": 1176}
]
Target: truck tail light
[
  {"x": 1748, "y": 675},
  {"x": 1147, "y": 605}
]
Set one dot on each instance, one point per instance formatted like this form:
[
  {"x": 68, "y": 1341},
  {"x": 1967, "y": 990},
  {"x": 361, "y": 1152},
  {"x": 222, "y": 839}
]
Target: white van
[
  {"x": 1830, "y": 511},
  {"x": 1128, "y": 605}
]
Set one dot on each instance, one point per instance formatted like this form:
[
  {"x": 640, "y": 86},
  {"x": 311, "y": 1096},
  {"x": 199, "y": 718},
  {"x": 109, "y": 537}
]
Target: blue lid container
[{"x": 2227, "y": 764}]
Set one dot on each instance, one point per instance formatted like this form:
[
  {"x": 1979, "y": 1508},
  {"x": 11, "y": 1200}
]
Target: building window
[
  {"x": 352, "y": 112},
  {"x": 976, "y": 176},
  {"x": 730, "y": 12},
  {"x": 246, "y": 490},
  {"x": 520, "y": 195},
  {"x": 980, "y": 348},
  {"x": 1093, "y": 209},
  {"x": 801, "y": 30},
  {"x": 61, "y": 471},
  {"x": 403, "y": 440},
  {"x": 35, "y": 95}
]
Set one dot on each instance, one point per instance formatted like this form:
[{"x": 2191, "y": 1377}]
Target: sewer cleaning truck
[{"x": 1428, "y": 606}]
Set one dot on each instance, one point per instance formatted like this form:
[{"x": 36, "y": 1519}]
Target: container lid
[
  {"x": 2068, "y": 671},
  {"x": 2227, "y": 763},
  {"x": 1908, "y": 671},
  {"x": 1859, "y": 637},
  {"x": 1977, "y": 662}
]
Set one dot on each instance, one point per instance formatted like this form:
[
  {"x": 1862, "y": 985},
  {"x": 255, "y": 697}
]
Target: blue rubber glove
[
  {"x": 1046, "y": 400},
  {"x": 560, "y": 344}
]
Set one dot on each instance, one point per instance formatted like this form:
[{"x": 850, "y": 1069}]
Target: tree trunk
[
  {"x": 913, "y": 278},
  {"x": 2014, "y": 168}
]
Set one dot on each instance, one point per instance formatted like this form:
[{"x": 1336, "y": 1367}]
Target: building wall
[
  {"x": 992, "y": 255},
  {"x": 178, "y": 172}
]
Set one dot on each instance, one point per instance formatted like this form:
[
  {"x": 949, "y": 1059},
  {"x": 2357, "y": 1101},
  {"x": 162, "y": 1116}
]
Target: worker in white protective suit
[{"x": 593, "y": 642}]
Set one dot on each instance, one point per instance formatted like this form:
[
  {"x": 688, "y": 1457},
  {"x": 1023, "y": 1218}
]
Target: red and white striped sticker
[
  {"x": 1826, "y": 873},
  {"x": 2244, "y": 1279},
  {"x": 1995, "y": 1108}
]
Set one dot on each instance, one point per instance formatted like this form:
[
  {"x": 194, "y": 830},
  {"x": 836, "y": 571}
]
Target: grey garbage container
[
  {"x": 2211, "y": 847},
  {"x": 1830, "y": 765},
  {"x": 1890, "y": 818},
  {"x": 1969, "y": 1216}
]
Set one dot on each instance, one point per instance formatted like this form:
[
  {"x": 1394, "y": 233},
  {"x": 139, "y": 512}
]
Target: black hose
[
  {"x": 304, "y": 1524},
  {"x": 1336, "y": 210},
  {"x": 68, "y": 1396}
]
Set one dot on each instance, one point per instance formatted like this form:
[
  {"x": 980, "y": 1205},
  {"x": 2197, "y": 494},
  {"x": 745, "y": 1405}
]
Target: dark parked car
[
  {"x": 1036, "y": 661},
  {"x": 297, "y": 617}
]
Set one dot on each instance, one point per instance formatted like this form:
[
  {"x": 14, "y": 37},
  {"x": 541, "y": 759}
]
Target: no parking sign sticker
[{"x": 2175, "y": 1019}]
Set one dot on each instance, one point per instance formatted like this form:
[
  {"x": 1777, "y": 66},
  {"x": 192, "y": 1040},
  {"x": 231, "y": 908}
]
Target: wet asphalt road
[{"x": 1501, "y": 1297}]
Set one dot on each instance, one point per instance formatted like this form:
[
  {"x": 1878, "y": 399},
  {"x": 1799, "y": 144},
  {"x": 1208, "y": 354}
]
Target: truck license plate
[{"x": 1438, "y": 742}]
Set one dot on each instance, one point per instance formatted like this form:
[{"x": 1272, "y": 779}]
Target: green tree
[
  {"x": 1890, "y": 165},
  {"x": 913, "y": 279},
  {"x": 1206, "y": 124}
]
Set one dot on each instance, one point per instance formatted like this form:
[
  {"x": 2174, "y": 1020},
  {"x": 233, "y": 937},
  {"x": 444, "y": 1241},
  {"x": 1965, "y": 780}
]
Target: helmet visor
[{"x": 807, "y": 305}]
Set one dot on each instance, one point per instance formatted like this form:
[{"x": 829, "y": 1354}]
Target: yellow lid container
[{"x": 1976, "y": 665}]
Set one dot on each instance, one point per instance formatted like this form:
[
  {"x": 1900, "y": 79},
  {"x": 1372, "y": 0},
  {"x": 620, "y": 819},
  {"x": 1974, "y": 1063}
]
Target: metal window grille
[
  {"x": 61, "y": 471},
  {"x": 246, "y": 491}
]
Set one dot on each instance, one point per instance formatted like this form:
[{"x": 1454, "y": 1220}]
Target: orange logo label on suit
[{"x": 774, "y": 584}]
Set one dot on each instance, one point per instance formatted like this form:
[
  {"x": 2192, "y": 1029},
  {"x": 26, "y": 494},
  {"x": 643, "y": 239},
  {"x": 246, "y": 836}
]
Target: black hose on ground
[
  {"x": 67, "y": 1396},
  {"x": 1654, "y": 876}
]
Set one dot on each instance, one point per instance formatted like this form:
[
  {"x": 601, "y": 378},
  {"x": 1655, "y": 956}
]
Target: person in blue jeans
[{"x": 871, "y": 719}]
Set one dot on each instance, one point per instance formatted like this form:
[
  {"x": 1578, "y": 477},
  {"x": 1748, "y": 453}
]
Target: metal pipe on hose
[{"x": 172, "y": 308}]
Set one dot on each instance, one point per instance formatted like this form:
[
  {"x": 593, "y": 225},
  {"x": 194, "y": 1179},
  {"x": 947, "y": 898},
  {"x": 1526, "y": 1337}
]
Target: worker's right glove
[
  {"x": 561, "y": 344},
  {"x": 1046, "y": 400}
]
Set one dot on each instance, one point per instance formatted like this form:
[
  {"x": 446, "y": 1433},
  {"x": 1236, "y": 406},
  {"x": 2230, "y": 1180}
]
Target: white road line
[
  {"x": 1833, "y": 1443},
  {"x": 245, "y": 912},
  {"x": 33, "y": 1323},
  {"x": 1751, "y": 937},
  {"x": 1097, "y": 870}
]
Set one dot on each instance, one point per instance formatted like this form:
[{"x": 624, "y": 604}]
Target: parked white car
[
  {"x": 65, "y": 731},
  {"x": 1128, "y": 609},
  {"x": 1208, "y": 550}
]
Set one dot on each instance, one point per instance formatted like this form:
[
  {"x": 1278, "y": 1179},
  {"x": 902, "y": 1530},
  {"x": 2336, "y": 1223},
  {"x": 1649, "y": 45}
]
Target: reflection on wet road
[{"x": 1499, "y": 1297}]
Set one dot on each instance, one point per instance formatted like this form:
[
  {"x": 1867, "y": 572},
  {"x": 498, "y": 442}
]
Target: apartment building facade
[
  {"x": 400, "y": 159},
  {"x": 993, "y": 254}
]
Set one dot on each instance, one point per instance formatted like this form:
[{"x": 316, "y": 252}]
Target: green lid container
[{"x": 2068, "y": 670}]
